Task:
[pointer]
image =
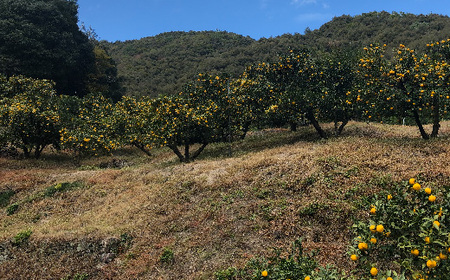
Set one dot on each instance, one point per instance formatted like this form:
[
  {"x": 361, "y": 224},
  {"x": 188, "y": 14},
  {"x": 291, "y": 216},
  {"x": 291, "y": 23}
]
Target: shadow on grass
[
  {"x": 255, "y": 141},
  {"x": 260, "y": 140}
]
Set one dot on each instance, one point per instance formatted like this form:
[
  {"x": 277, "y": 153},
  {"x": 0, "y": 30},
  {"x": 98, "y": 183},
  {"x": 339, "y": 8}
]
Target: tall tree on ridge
[{"x": 41, "y": 39}]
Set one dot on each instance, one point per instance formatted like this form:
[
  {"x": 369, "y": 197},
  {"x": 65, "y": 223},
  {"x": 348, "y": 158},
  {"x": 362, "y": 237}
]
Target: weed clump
[
  {"x": 167, "y": 257},
  {"x": 61, "y": 187},
  {"x": 22, "y": 237},
  {"x": 11, "y": 209}
]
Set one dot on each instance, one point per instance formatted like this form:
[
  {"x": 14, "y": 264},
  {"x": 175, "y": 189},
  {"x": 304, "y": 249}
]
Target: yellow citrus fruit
[
  {"x": 389, "y": 197},
  {"x": 416, "y": 187},
  {"x": 431, "y": 198},
  {"x": 415, "y": 252},
  {"x": 374, "y": 271},
  {"x": 427, "y": 239},
  {"x": 389, "y": 278},
  {"x": 373, "y": 240},
  {"x": 380, "y": 228},
  {"x": 431, "y": 263},
  {"x": 373, "y": 210},
  {"x": 412, "y": 181},
  {"x": 427, "y": 190},
  {"x": 372, "y": 228},
  {"x": 307, "y": 278},
  {"x": 436, "y": 223},
  {"x": 362, "y": 246},
  {"x": 354, "y": 257},
  {"x": 264, "y": 273},
  {"x": 442, "y": 256}
]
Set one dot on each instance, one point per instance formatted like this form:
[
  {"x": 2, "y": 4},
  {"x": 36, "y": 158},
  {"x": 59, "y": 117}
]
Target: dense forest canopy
[
  {"x": 41, "y": 39},
  {"x": 163, "y": 64}
]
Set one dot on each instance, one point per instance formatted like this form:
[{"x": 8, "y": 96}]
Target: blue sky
[{"x": 123, "y": 20}]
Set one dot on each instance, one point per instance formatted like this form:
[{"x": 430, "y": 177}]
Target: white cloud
[
  {"x": 303, "y": 2},
  {"x": 309, "y": 17}
]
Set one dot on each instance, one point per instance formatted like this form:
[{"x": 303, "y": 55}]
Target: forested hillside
[{"x": 163, "y": 64}]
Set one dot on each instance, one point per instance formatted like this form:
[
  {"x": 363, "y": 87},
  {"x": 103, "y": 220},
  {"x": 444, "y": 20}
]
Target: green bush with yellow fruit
[{"x": 406, "y": 232}]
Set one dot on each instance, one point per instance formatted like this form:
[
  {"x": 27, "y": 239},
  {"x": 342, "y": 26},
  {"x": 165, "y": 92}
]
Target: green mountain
[{"x": 163, "y": 64}]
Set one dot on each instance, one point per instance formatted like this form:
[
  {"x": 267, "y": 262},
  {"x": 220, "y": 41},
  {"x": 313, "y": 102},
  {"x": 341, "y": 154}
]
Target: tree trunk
[
  {"x": 142, "y": 148},
  {"x": 38, "y": 150},
  {"x": 419, "y": 124},
  {"x": 293, "y": 126},
  {"x": 186, "y": 153},
  {"x": 174, "y": 148},
  {"x": 338, "y": 130},
  {"x": 436, "y": 117},
  {"x": 187, "y": 157},
  {"x": 310, "y": 116},
  {"x": 200, "y": 149},
  {"x": 26, "y": 152},
  {"x": 245, "y": 129}
]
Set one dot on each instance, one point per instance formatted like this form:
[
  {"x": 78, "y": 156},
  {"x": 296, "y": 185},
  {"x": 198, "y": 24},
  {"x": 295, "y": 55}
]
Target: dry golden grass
[{"x": 213, "y": 213}]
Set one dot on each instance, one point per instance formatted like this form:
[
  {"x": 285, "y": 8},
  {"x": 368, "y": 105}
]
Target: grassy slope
[{"x": 213, "y": 213}]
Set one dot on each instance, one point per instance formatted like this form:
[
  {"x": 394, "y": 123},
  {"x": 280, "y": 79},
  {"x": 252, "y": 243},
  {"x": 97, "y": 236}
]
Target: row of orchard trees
[
  {"x": 33, "y": 116},
  {"x": 299, "y": 88}
]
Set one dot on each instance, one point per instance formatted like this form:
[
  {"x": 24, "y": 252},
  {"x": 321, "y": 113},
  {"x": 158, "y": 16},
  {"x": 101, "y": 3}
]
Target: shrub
[
  {"x": 296, "y": 265},
  {"x": 29, "y": 119},
  {"x": 92, "y": 130},
  {"x": 407, "y": 232}
]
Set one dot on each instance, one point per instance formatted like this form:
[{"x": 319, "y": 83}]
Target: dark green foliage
[
  {"x": 383, "y": 28},
  {"x": 41, "y": 39},
  {"x": 103, "y": 79},
  {"x": 165, "y": 63},
  {"x": 5, "y": 196}
]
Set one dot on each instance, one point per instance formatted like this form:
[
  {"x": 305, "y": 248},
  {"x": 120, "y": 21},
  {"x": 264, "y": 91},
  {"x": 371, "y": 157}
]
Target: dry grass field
[{"x": 219, "y": 211}]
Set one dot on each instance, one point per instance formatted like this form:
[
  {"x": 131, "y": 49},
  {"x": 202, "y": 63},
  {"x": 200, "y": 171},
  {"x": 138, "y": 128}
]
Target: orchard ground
[{"x": 216, "y": 212}]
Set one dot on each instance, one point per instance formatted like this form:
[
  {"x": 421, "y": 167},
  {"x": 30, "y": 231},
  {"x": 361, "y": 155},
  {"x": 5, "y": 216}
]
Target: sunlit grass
[{"x": 220, "y": 210}]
